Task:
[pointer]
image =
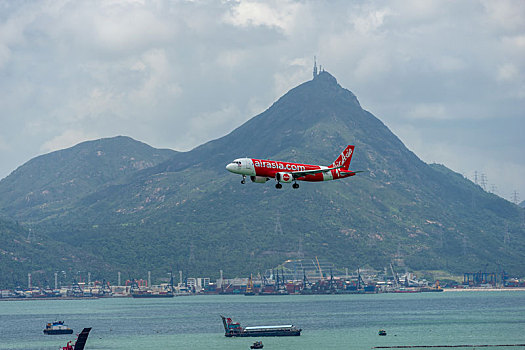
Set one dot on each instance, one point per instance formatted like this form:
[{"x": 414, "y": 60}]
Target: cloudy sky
[{"x": 447, "y": 77}]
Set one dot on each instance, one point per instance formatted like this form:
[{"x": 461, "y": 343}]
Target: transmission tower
[
  {"x": 191, "y": 258},
  {"x": 300, "y": 253},
  {"x": 441, "y": 238},
  {"x": 506, "y": 237},
  {"x": 515, "y": 197},
  {"x": 464, "y": 245},
  {"x": 278, "y": 229},
  {"x": 483, "y": 182}
]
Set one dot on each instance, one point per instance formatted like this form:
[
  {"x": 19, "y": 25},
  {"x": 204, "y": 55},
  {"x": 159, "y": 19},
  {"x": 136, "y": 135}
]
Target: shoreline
[
  {"x": 480, "y": 289},
  {"x": 516, "y": 289}
]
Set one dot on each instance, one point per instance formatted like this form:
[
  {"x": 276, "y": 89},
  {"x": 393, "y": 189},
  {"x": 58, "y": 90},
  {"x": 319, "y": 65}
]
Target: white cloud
[
  {"x": 4, "y": 147},
  {"x": 279, "y": 14},
  {"x": 158, "y": 82},
  {"x": 507, "y": 72},
  {"x": 506, "y": 14},
  {"x": 215, "y": 123},
  {"x": 370, "y": 22},
  {"x": 67, "y": 138},
  {"x": 428, "y": 111}
]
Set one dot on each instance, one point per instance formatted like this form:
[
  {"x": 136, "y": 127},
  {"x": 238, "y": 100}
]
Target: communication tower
[{"x": 315, "y": 67}]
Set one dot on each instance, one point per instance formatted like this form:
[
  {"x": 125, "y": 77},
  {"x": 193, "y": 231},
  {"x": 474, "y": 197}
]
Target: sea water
[{"x": 327, "y": 321}]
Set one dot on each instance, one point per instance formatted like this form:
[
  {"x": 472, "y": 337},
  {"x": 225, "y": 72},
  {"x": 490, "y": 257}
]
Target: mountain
[
  {"x": 187, "y": 212},
  {"x": 48, "y": 184},
  {"x": 22, "y": 252}
]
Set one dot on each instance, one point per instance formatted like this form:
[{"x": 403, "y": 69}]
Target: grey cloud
[{"x": 179, "y": 73}]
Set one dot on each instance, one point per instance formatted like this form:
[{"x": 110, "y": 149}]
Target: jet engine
[
  {"x": 259, "y": 179},
  {"x": 284, "y": 177}
]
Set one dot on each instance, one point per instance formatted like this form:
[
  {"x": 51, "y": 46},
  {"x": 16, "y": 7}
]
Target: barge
[
  {"x": 234, "y": 329},
  {"x": 150, "y": 294}
]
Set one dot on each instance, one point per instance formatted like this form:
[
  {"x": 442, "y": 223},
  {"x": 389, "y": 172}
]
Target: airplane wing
[{"x": 296, "y": 174}]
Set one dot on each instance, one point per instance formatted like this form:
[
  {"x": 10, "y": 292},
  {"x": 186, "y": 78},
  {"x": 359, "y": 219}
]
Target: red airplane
[{"x": 261, "y": 170}]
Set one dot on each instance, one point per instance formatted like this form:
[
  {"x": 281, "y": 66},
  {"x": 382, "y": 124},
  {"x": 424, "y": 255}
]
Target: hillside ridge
[{"x": 186, "y": 211}]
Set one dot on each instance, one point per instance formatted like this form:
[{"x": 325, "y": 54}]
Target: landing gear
[
  {"x": 295, "y": 185},
  {"x": 243, "y": 181},
  {"x": 278, "y": 185}
]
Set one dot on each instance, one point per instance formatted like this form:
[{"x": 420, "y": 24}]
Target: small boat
[
  {"x": 382, "y": 332},
  {"x": 57, "y": 327},
  {"x": 257, "y": 345}
]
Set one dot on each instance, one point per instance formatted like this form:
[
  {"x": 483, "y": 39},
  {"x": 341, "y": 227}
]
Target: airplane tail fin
[{"x": 344, "y": 158}]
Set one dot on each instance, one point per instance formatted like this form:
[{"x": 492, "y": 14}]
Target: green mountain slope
[
  {"x": 22, "y": 251},
  {"x": 48, "y": 184},
  {"x": 189, "y": 213}
]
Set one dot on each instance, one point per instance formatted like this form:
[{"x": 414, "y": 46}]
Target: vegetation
[{"x": 183, "y": 211}]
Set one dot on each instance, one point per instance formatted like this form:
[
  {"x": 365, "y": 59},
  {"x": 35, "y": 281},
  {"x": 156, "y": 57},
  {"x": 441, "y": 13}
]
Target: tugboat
[
  {"x": 232, "y": 329},
  {"x": 257, "y": 345},
  {"x": 57, "y": 327}
]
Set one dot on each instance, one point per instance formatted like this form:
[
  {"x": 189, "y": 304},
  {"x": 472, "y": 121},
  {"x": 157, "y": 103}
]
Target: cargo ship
[
  {"x": 151, "y": 294},
  {"x": 234, "y": 329},
  {"x": 137, "y": 292}
]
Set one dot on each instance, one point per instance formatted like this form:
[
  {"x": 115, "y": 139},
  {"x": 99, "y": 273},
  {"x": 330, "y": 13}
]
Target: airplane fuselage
[
  {"x": 261, "y": 170},
  {"x": 268, "y": 168}
]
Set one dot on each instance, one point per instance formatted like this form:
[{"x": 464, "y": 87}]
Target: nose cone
[{"x": 231, "y": 167}]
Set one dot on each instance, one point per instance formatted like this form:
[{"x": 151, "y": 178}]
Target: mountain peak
[
  {"x": 326, "y": 77},
  {"x": 325, "y": 85},
  {"x": 322, "y": 89}
]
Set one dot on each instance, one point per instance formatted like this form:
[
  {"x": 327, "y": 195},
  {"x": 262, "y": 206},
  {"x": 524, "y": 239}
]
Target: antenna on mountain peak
[{"x": 315, "y": 67}]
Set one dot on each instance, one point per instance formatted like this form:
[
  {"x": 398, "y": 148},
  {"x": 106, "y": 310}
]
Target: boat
[
  {"x": 152, "y": 294},
  {"x": 234, "y": 329},
  {"x": 57, "y": 327},
  {"x": 137, "y": 292},
  {"x": 257, "y": 345},
  {"x": 80, "y": 342},
  {"x": 382, "y": 332}
]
